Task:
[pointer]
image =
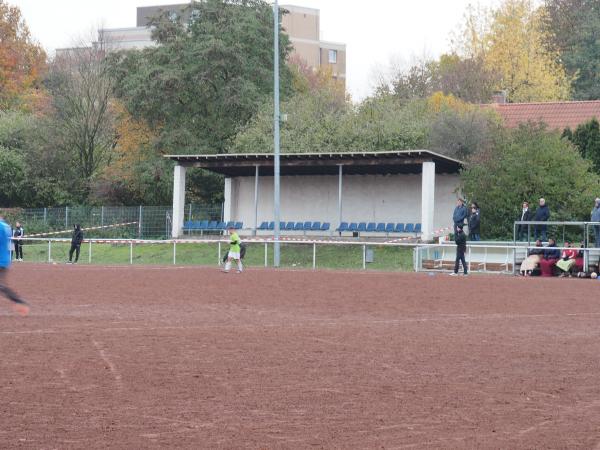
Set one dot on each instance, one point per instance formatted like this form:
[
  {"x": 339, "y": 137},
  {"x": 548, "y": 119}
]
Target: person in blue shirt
[
  {"x": 5, "y": 238},
  {"x": 460, "y": 214}
]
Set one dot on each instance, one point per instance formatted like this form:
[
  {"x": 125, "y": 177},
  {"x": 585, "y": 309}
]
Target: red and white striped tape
[{"x": 52, "y": 233}]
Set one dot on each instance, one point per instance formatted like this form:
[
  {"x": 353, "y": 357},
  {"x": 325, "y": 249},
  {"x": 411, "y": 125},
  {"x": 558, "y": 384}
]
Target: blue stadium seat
[
  {"x": 221, "y": 226},
  {"x": 399, "y": 228},
  {"x": 298, "y": 226},
  {"x": 264, "y": 226},
  {"x": 409, "y": 228},
  {"x": 380, "y": 227},
  {"x": 230, "y": 224},
  {"x": 307, "y": 226},
  {"x": 271, "y": 225},
  {"x": 371, "y": 227},
  {"x": 189, "y": 225},
  {"x": 212, "y": 225},
  {"x": 389, "y": 228},
  {"x": 343, "y": 226},
  {"x": 353, "y": 226},
  {"x": 203, "y": 225},
  {"x": 239, "y": 225},
  {"x": 325, "y": 226},
  {"x": 289, "y": 226},
  {"x": 417, "y": 228},
  {"x": 362, "y": 226},
  {"x": 315, "y": 226}
]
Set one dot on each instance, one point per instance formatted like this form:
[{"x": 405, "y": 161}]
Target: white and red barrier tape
[{"x": 52, "y": 233}]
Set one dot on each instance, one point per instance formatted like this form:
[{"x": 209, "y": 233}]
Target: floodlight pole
[{"x": 276, "y": 132}]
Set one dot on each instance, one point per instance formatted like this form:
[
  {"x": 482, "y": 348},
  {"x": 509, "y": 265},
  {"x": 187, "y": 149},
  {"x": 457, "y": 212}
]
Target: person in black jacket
[
  {"x": 542, "y": 214},
  {"x": 524, "y": 217},
  {"x": 461, "y": 247},
  {"x": 76, "y": 241},
  {"x": 474, "y": 222}
]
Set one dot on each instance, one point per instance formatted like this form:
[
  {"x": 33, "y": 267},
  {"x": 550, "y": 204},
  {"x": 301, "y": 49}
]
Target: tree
[
  {"x": 22, "y": 60},
  {"x": 527, "y": 164},
  {"x": 512, "y": 41},
  {"x": 12, "y": 177},
  {"x": 586, "y": 138},
  {"x": 205, "y": 79},
  {"x": 468, "y": 79},
  {"x": 317, "y": 121},
  {"x": 81, "y": 88},
  {"x": 459, "y": 129},
  {"x": 574, "y": 30}
]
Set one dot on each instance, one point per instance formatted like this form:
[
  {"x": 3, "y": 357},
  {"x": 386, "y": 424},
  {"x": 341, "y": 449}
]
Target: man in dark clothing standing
[
  {"x": 461, "y": 247},
  {"x": 474, "y": 223},
  {"x": 525, "y": 216},
  {"x": 460, "y": 214},
  {"x": 18, "y": 233},
  {"x": 76, "y": 241},
  {"x": 542, "y": 214}
]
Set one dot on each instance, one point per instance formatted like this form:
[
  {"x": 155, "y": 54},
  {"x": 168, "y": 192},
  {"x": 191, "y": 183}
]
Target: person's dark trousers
[
  {"x": 522, "y": 233},
  {"x": 18, "y": 250},
  {"x": 544, "y": 229},
  {"x": 74, "y": 248},
  {"x": 460, "y": 257},
  {"x": 597, "y": 235},
  {"x": 5, "y": 290},
  {"x": 474, "y": 237}
]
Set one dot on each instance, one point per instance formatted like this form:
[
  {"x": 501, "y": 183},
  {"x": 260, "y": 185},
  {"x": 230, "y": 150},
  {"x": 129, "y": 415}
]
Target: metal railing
[{"x": 301, "y": 254}]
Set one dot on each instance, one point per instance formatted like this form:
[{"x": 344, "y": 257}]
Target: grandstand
[{"x": 355, "y": 193}]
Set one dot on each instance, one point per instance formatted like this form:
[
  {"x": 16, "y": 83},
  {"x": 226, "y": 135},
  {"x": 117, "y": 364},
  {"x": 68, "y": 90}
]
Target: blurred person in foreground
[{"x": 20, "y": 305}]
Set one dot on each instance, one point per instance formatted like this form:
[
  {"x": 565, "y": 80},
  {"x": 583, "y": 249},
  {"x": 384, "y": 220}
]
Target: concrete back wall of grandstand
[{"x": 366, "y": 198}]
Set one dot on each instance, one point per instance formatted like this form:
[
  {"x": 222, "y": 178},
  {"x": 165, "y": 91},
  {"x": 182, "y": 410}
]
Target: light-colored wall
[
  {"x": 301, "y": 22},
  {"x": 339, "y": 68},
  {"x": 366, "y": 198}
]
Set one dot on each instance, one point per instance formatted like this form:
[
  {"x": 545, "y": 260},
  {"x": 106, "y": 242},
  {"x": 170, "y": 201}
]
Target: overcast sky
[{"x": 375, "y": 31}]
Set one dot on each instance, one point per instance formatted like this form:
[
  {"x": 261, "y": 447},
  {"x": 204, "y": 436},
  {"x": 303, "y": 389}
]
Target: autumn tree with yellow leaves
[
  {"x": 22, "y": 61},
  {"x": 512, "y": 40}
]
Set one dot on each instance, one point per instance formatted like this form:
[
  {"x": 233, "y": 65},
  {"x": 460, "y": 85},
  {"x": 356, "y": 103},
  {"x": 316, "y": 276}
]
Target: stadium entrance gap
[{"x": 331, "y": 187}]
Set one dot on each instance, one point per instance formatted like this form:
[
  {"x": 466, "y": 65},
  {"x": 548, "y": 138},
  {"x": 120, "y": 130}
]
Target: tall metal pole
[{"x": 276, "y": 131}]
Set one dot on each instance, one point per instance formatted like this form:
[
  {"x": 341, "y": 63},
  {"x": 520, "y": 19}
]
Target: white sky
[{"x": 376, "y": 32}]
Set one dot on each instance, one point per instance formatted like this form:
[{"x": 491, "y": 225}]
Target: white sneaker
[
  {"x": 453, "y": 274},
  {"x": 239, "y": 271}
]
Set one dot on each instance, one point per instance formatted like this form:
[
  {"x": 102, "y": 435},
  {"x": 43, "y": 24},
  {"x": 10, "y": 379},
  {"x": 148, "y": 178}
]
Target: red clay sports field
[{"x": 183, "y": 357}]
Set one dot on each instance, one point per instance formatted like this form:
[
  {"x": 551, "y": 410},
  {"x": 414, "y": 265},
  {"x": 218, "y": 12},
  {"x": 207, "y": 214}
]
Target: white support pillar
[
  {"x": 340, "y": 195},
  {"x": 256, "y": 199},
  {"x": 427, "y": 200},
  {"x": 178, "y": 201},
  {"x": 228, "y": 197}
]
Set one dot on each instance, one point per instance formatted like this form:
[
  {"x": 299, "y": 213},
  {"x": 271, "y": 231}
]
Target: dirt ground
[{"x": 151, "y": 357}]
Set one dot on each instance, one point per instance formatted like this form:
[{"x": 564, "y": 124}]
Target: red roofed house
[{"x": 557, "y": 115}]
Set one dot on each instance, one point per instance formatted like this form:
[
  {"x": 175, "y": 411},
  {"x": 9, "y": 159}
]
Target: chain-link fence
[{"x": 141, "y": 222}]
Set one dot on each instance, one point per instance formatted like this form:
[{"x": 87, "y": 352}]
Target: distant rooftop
[{"x": 557, "y": 115}]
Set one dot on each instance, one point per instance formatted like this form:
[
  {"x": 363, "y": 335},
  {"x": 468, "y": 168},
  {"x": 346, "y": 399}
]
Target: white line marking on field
[
  {"x": 307, "y": 322},
  {"x": 110, "y": 365}
]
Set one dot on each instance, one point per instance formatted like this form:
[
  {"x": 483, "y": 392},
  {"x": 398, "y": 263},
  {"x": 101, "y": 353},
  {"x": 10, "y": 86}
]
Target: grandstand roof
[
  {"x": 357, "y": 163},
  {"x": 557, "y": 115}
]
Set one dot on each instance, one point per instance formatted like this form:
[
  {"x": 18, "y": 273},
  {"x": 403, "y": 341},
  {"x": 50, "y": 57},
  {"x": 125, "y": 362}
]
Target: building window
[
  {"x": 332, "y": 56},
  {"x": 173, "y": 16}
]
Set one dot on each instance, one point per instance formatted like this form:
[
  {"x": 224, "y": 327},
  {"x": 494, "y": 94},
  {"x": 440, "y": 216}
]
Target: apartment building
[{"x": 300, "y": 23}]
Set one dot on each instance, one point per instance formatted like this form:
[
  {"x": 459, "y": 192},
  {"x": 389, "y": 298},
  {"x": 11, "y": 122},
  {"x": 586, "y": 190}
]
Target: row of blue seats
[
  {"x": 373, "y": 227},
  {"x": 213, "y": 225},
  {"x": 296, "y": 226}
]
